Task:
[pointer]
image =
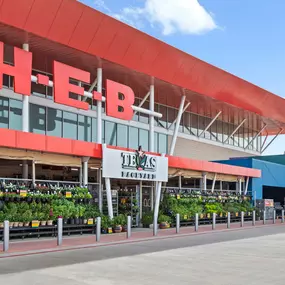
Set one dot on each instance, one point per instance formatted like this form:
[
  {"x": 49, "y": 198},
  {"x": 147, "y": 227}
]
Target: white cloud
[
  {"x": 184, "y": 16},
  {"x": 171, "y": 16}
]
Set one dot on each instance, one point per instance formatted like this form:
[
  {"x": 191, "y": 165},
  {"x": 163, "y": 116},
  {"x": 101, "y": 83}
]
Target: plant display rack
[
  {"x": 128, "y": 204},
  {"x": 114, "y": 203}
]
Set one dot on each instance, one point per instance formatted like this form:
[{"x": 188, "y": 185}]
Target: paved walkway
[
  {"x": 49, "y": 245},
  {"x": 249, "y": 256}
]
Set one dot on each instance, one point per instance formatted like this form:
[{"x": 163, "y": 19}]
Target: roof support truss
[
  {"x": 251, "y": 141},
  {"x": 185, "y": 108},
  {"x": 235, "y": 130},
  {"x": 93, "y": 85},
  {"x": 211, "y": 123},
  {"x": 280, "y": 131},
  {"x": 143, "y": 101}
]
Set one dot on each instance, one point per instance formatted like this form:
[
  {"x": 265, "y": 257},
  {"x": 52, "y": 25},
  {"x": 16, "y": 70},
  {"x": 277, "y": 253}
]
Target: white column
[
  {"x": 204, "y": 181},
  {"x": 99, "y": 106},
  {"x": 180, "y": 181},
  {"x": 176, "y": 129},
  {"x": 33, "y": 173},
  {"x": 25, "y": 121},
  {"x": 151, "y": 119},
  {"x": 100, "y": 194},
  {"x": 109, "y": 198},
  {"x": 81, "y": 175},
  {"x": 214, "y": 182},
  {"x": 246, "y": 185},
  {"x": 239, "y": 186},
  {"x": 151, "y": 196},
  {"x": 221, "y": 185},
  {"x": 85, "y": 170}
]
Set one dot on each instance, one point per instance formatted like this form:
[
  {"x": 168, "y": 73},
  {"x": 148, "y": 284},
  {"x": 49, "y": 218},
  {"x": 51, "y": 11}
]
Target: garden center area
[{"x": 33, "y": 211}]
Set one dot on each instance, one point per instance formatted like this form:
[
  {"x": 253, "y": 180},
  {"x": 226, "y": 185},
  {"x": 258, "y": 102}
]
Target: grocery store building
[{"x": 80, "y": 87}]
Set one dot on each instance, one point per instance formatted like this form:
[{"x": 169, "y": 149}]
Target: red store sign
[{"x": 118, "y": 107}]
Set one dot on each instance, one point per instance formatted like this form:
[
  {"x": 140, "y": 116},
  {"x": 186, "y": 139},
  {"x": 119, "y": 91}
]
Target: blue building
[{"x": 271, "y": 185}]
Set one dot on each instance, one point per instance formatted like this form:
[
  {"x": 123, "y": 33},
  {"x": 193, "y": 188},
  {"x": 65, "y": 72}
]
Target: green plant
[
  {"x": 88, "y": 196},
  {"x": 164, "y": 219},
  {"x": 120, "y": 220},
  {"x": 2, "y": 217},
  {"x": 106, "y": 222},
  {"x": 27, "y": 216},
  {"x": 147, "y": 218}
]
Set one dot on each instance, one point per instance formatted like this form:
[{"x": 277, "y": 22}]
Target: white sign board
[{"x": 134, "y": 165}]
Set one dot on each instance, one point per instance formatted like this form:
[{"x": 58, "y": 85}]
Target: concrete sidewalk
[{"x": 18, "y": 248}]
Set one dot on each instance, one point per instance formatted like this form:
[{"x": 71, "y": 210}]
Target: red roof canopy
[{"x": 74, "y": 25}]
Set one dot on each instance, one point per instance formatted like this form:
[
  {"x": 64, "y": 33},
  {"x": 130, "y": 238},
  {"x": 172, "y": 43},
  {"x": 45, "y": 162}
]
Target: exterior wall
[
  {"x": 272, "y": 174},
  {"x": 203, "y": 151}
]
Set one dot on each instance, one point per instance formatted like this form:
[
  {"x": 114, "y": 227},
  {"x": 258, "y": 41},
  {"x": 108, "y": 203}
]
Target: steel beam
[
  {"x": 99, "y": 106},
  {"x": 246, "y": 185},
  {"x": 251, "y": 141},
  {"x": 264, "y": 142},
  {"x": 143, "y": 101},
  {"x": 176, "y": 129},
  {"x": 184, "y": 109},
  {"x": 281, "y": 130},
  {"x": 93, "y": 85},
  {"x": 109, "y": 198},
  {"x": 151, "y": 119},
  {"x": 26, "y": 108},
  {"x": 211, "y": 123},
  {"x": 235, "y": 130},
  {"x": 214, "y": 182}
]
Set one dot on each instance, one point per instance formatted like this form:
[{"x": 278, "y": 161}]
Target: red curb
[{"x": 128, "y": 241}]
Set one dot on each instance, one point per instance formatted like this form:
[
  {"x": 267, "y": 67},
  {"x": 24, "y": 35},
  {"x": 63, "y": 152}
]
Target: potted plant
[
  {"x": 164, "y": 221},
  {"x": 105, "y": 224},
  {"x": 50, "y": 218},
  {"x": 118, "y": 223},
  {"x": 88, "y": 197},
  {"x": 27, "y": 217},
  {"x": 43, "y": 219},
  {"x": 81, "y": 211},
  {"x": 147, "y": 219},
  {"x": 15, "y": 219}
]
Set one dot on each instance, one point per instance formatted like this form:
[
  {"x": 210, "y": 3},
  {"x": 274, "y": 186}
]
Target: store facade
[{"x": 115, "y": 116}]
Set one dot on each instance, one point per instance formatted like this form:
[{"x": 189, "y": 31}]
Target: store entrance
[{"x": 147, "y": 199}]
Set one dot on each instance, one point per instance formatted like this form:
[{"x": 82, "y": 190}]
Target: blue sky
[{"x": 243, "y": 37}]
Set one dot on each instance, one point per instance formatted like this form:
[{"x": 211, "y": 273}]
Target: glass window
[
  {"x": 4, "y": 112},
  {"x": 143, "y": 139},
  {"x": 163, "y": 144},
  {"x": 15, "y": 118},
  {"x": 84, "y": 128},
  {"x": 54, "y": 122},
  {"x": 194, "y": 124},
  {"x": 110, "y": 133},
  {"x": 172, "y": 115},
  {"x": 133, "y": 138},
  {"x": 144, "y": 118},
  {"x": 94, "y": 130},
  {"x": 122, "y": 135},
  {"x": 162, "y": 122},
  {"x": 37, "y": 119},
  {"x": 69, "y": 125}
]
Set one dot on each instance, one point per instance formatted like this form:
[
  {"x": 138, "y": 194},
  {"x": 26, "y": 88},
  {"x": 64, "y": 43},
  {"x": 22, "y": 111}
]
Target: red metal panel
[
  {"x": 121, "y": 43},
  {"x": 65, "y": 21},
  {"x": 15, "y": 12},
  {"x": 30, "y": 141},
  {"x": 104, "y": 37},
  {"x": 59, "y": 145},
  {"x": 8, "y": 138},
  {"x": 39, "y": 22},
  {"x": 87, "y": 149},
  {"x": 86, "y": 29}
]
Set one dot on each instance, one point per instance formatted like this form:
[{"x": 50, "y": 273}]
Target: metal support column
[
  {"x": 141, "y": 200},
  {"x": 229, "y": 220},
  {"x": 85, "y": 171},
  {"x": 221, "y": 185},
  {"x": 156, "y": 207},
  {"x": 109, "y": 198},
  {"x": 151, "y": 119},
  {"x": 25, "y": 111},
  {"x": 253, "y": 218},
  {"x": 246, "y": 185},
  {"x": 129, "y": 226},
  {"x": 210, "y": 124},
  {"x": 242, "y": 219},
  {"x": 282, "y": 217},
  {"x": 204, "y": 182},
  {"x": 274, "y": 216},
  {"x": 214, "y": 182},
  {"x": 280, "y": 131},
  {"x": 99, "y": 106},
  {"x": 180, "y": 181},
  {"x": 264, "y": 217},
  {"x": 59, "y": 231},
  {"x": 33, "y": 173},
  {"x": 196, "y": 222},
  {"x": 177, "y": 223},
  {"x": 98, "y": 229},
  {"x": 6, "y": 236},
  {"x": 239, "y": 186},
  {"x": 100, "y": 194},
  {"x": 176, "y": 129},
  {"x": 214, "y": 221}
]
